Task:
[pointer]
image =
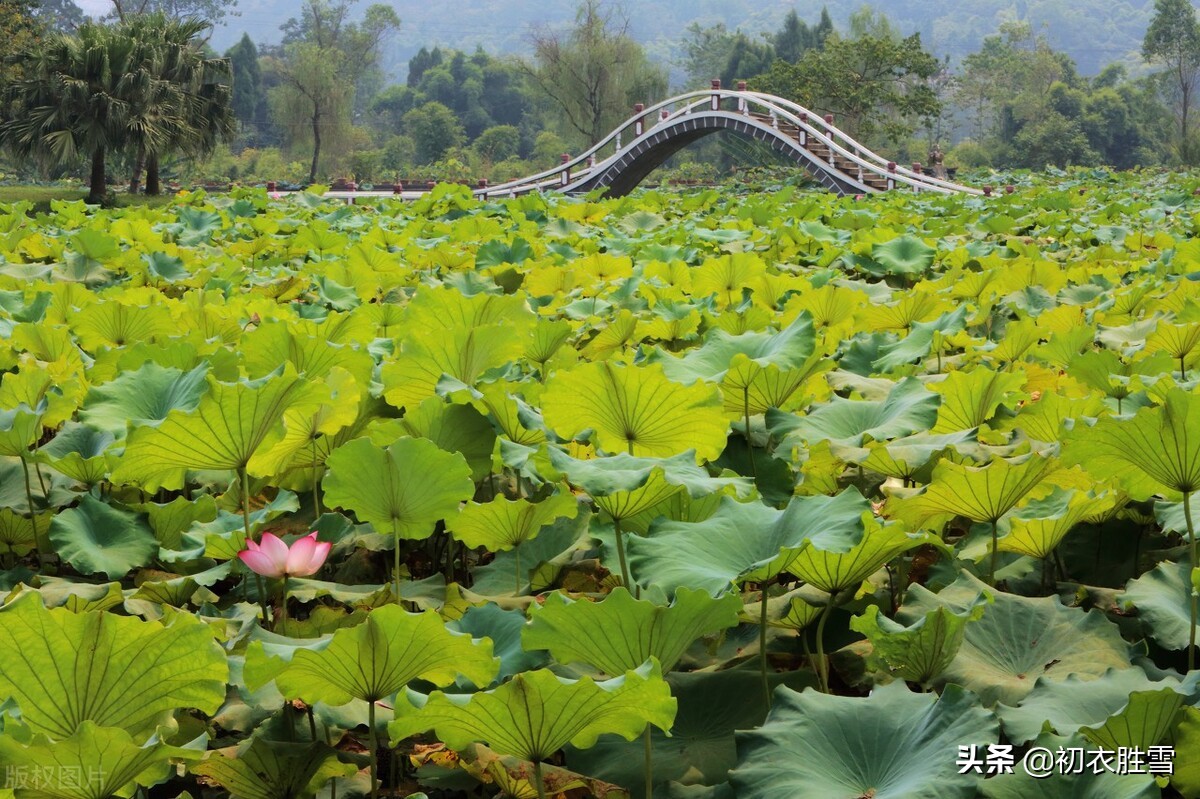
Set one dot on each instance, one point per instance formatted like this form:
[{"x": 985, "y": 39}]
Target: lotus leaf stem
[
  {"x": 539, "y": 783},
  {"x": 1192, "y": 605}
]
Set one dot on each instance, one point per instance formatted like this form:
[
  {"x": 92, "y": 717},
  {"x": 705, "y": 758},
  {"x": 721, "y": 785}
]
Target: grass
[{"x": 44, "y": 194}]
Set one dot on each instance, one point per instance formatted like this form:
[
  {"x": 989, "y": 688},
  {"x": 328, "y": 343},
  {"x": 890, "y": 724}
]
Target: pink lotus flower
[{"x": 273, "y": 558}]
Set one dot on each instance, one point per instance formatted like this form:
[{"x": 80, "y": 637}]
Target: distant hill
[{"x": 1093, "y": 32}]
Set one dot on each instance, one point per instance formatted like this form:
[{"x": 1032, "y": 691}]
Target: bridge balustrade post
[
  {"x": 743, "y": 106},
  {"x": 483, "y": 184},
  {"x": 987, "y": 191},
  {"x": 803, "y": 134},
  {"x": 774, "y": 119},
  {"x": 592, "y": 161},
  {"x": 664, "y": 115},
  {"x": 891, "y": 181},
  {"x": 716, "y": 94},
  {"x": 638, "y": 125},
  {"x": 917, "y": 169},
  {"x": 397, "y": 188},
  {"x": 566, "y": 173},
  {"x": 618, "y": 142}
]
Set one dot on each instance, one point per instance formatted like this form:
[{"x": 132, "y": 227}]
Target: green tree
[
  {"x": 200, "y": 114},
  {"x": 497, "y": 143},
  {"x": 84, "y": 95},
  {"x": 213, "y": 12},
  {"x": 1173, "y": 41},
  {"x": 594, "y": 72},
  {"x": 434, "y": 129},
  {"x": 877, "y": 86},
  {"x": 793, "y": 38},
  {"x": 325, "y": 58},
  {"x": 747, "y": 59},
  {"x": 247, "y": 80}
]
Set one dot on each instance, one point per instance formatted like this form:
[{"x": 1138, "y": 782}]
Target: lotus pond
[{"x": 685, "y": 495}]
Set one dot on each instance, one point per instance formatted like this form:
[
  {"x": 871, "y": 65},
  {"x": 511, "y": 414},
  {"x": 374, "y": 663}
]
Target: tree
[
  {"x": 20, "y": 30},
  {"x": 247, "y": 80},
  {"x": 793, "y": 38},
  {"x": 324, "y": 58},
  {"x": 498, "y": 143},
  {"x": 212, "y": 11},
  {"x": 877, "y": 86},
  {"x": 58, "y": 15},
  {"x": 747, "y": 59},
  {"x": 83, "y": 95},
  {"x": 594, "y": 72},
  {"x": 434, "y": 129},
  {"x": 201, "y": 89},
  {"x": 1173, "y": 40}
]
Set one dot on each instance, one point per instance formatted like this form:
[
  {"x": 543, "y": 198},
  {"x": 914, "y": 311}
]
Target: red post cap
[
  {"x": 716, "y": 83},
  {"x": 987, "y": 191},
  {"x": 891, "y": 166},
  {"x": 397, "y": 187},
  {"x": 917, "y": 167},
  {"x": 566, "y": 157},
  {"x": 270, "y": 185},
  {"x": 483, "y": 183},
  {"x": 829, "y": 118},
  {"x": 639, "y": 108},
  {"x": 1009, "y": 189},
  {"x": 741, "y": 85},
  {"x": 665, "y": 113}
]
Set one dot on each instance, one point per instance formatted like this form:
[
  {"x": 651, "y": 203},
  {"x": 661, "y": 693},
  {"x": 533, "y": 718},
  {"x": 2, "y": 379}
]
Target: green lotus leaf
[
  {"x": 836, "y": 570},
  {"x": 745, "y": 542},
  {"x": 264, "y": 769},
  {"x": 19, "y": 429},
  {"x": 144, "y": 396},
  {"x": 18, "y": 534},
  {"x": 77, "y": 597},
  {"x": 170, "y": 520},
  {"x": 463, "y": 354},
  {"x": 1080, "y": 782},
  {"x": 1144, "y": 722},
  {"x": 503, "y": 628},
  {"x": 403, "y": 489},
  {"x": 380, "y": 656},
  {"x": 894, "y": 744},
  {"x": 454, "y": 428},
  {"x": 230, "y": 425},
  {"x": 903, "y": 255},
  {"x": 701, "y": 746},
  {"x": 505, "y": 523},
  {"x": 756, "y": 370},
  {"x": 1038, "y": 527},
  {"x": 1020, "y": 639},
  {"x": 1187, "y": 753},
  {"x": 921, "y": 340},
  {"x": 314, "y": 356},
  {"x": 94, "y": 762},
  {"x": 78, "y": 452},
  {"x": 1064, "y": 706},
  {"x": 636, "y": 410},
  {"x": 309, "y": 428},
  {"x": 1156, "y": 451},
  {"x": 980, "y": 493},
  {"x": 536, "y": 713},
  {"x": 922, "y": 650},
  {"x": 1162, "y": 597},
  {"x": 970, "y": 399},
  {"x": 149, "y": 669},
  {"x": 909, "y": 408},
  {"x": 904, "y": 458},
  {"x": 619, "y": 633},
  {"x": 623, "y": 485},
  {"x": 97, "y": 538},
  {"x": 112, "y": 323}
]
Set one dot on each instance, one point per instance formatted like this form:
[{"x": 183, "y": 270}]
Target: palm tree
[
  {"x": 200, "y": 113},
  {"x": 84, "y": 94}
]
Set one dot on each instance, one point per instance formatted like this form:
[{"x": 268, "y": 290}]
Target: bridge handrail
[
  {"x": 802, "y": 118},
  {"x": 923, "y": 177},
  {"x": 856, "y": 156}
]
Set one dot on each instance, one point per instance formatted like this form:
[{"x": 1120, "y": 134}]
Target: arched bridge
[{"x": 621, "y": 160}]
